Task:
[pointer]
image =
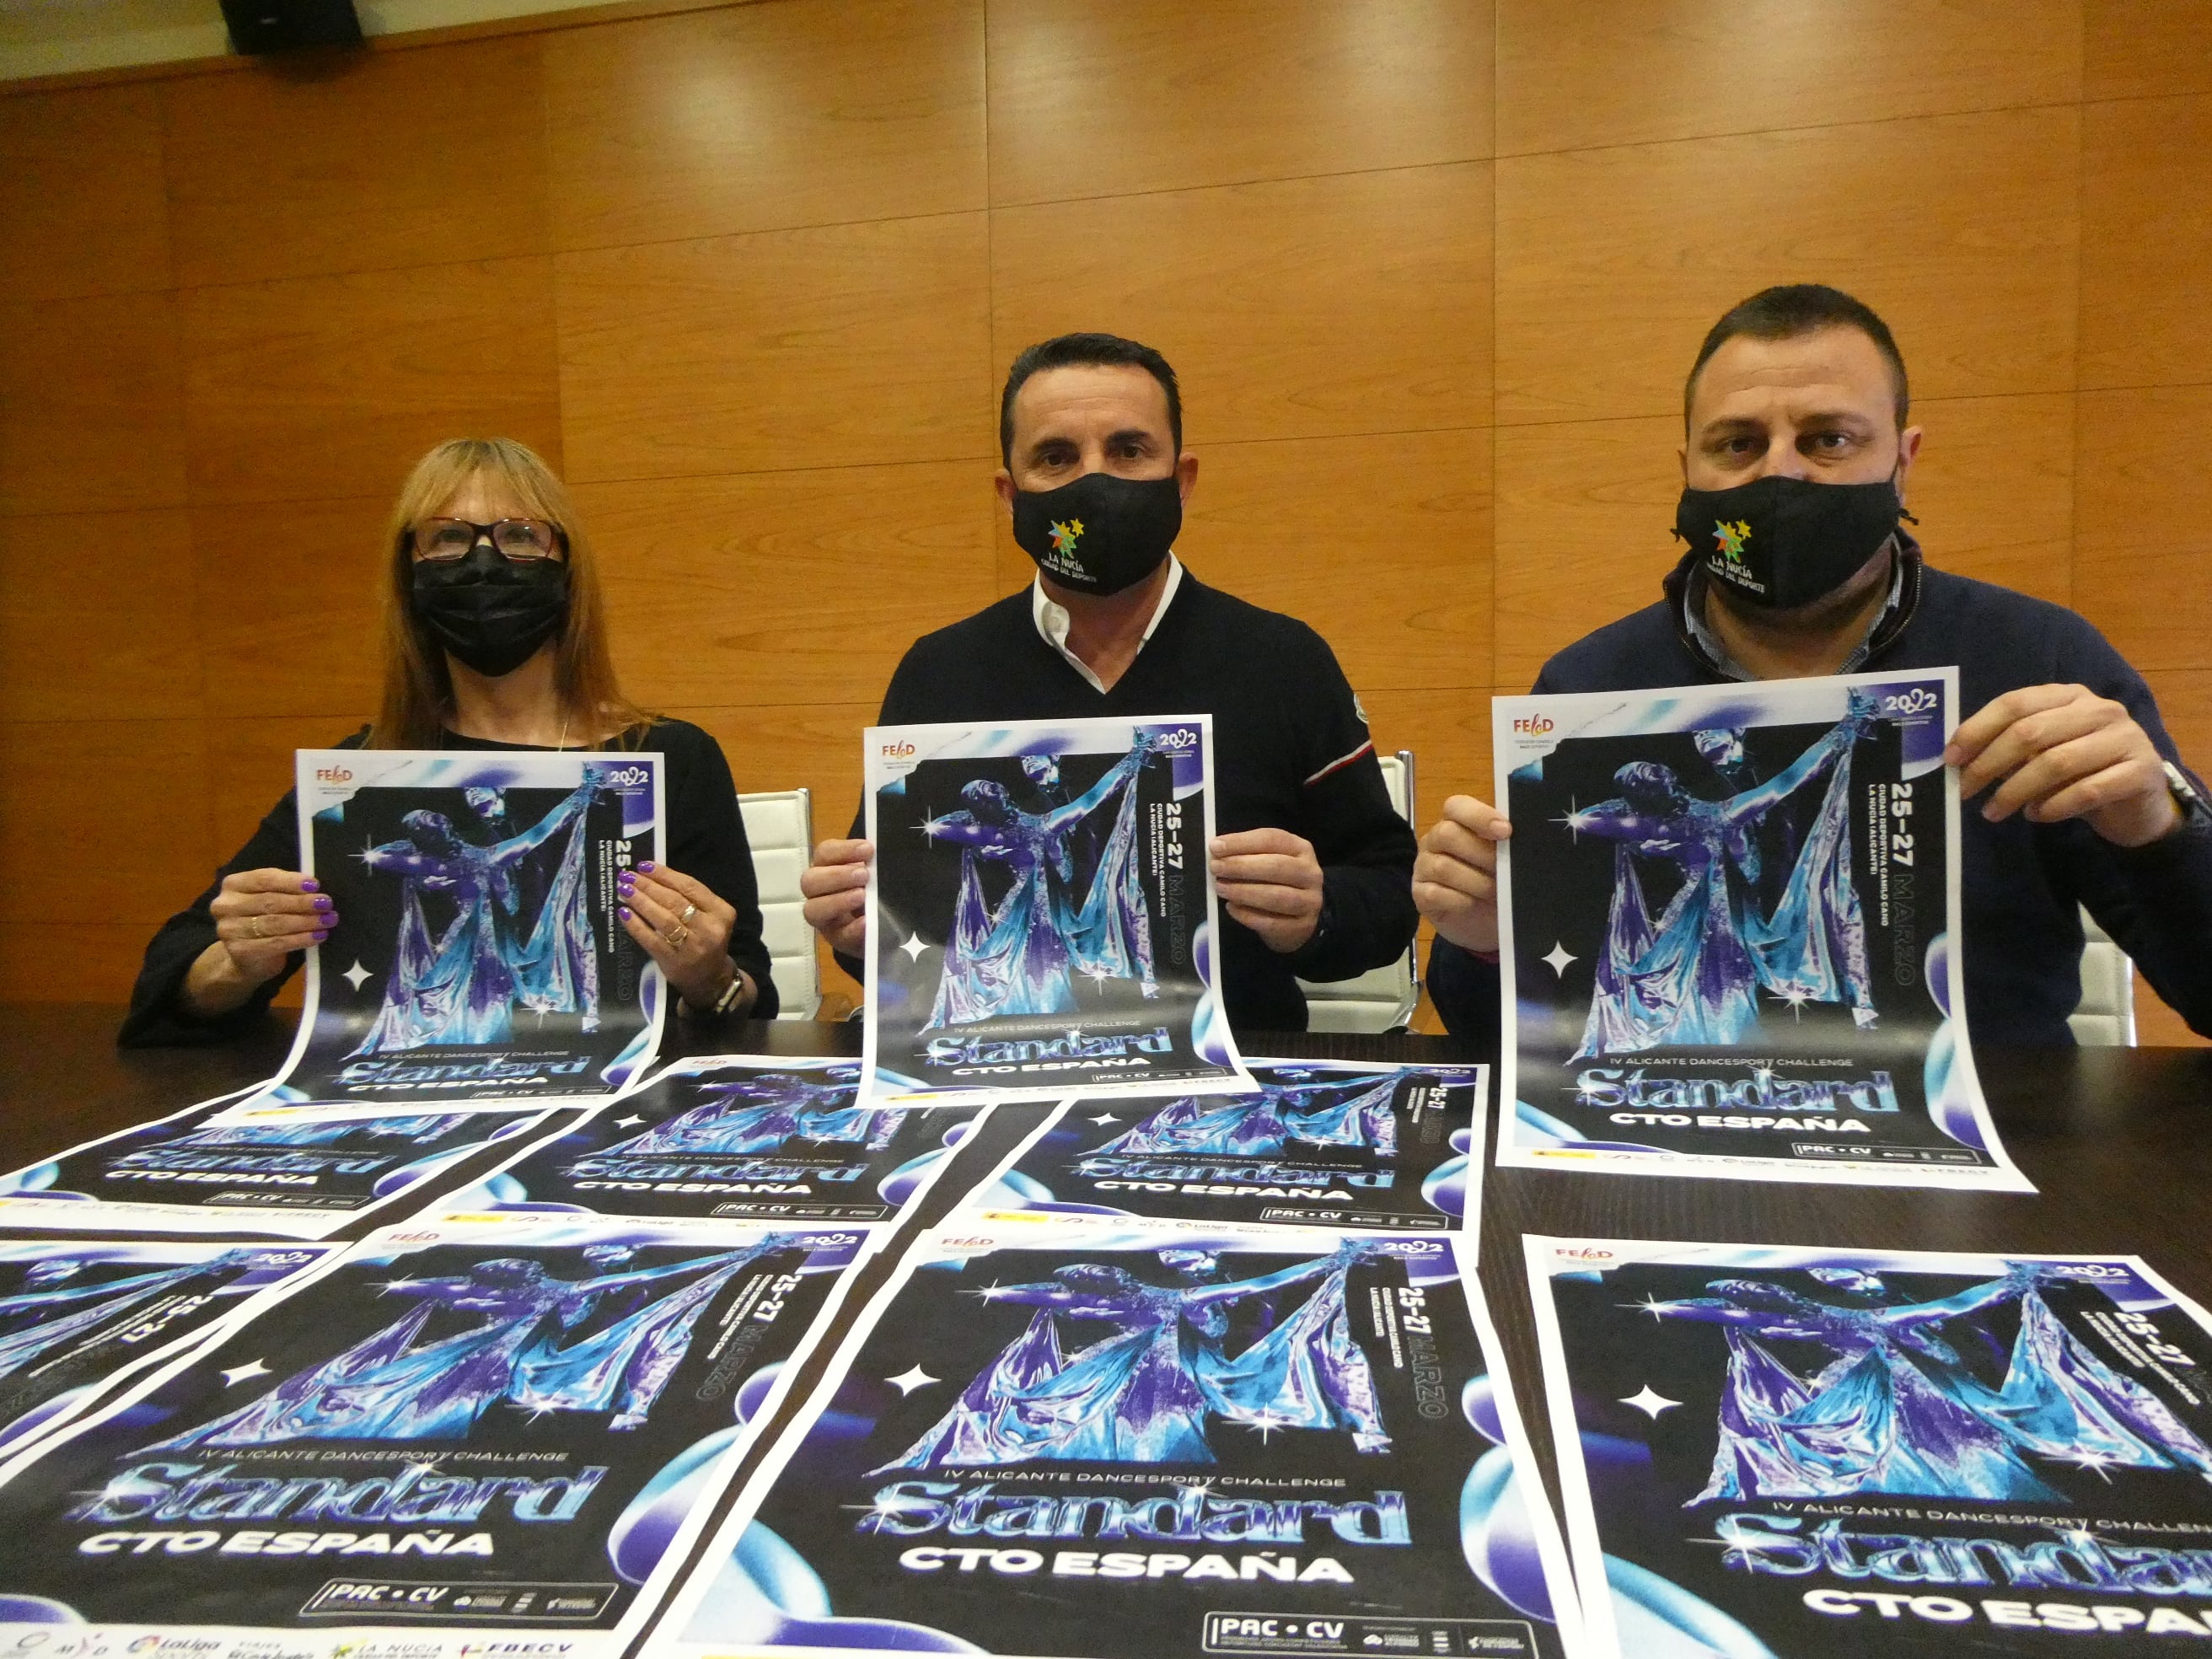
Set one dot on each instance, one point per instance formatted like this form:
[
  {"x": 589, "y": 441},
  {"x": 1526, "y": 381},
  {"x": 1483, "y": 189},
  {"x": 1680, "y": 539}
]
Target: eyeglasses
[{"x": 446, "y": 539}]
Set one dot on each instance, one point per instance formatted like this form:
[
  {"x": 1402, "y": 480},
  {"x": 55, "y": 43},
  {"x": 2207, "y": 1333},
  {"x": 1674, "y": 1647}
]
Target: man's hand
[
  {"x": 836, "y": 888},
  {"x": 1269, "y": 880},
  {"x": 2062, "y": 752},
  {"x": 1456, "y": 877}
]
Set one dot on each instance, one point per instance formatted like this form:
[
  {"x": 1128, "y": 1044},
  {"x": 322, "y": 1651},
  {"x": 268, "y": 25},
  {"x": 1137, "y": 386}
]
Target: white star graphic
[
  {"x": 910, "y": 1379},
  {"x": 1649, "y": 1401},
  {"x": 1266, "y": 1421},
  {"x": 629, "y": 1122},
  {"x": 1105, "y": 1118},
  {"x": 914, "y": 947},
  {"x": 1574, "y": 817},
  {"x": 238, "y": 1374},
  {"x": 2087, "y": 1457},
  {"x": 1559, "y": 957},
  {"x": 355, "y": 974},
  {"x": 1652, "y": 1305},
  {"x": 1098, "y": 973}
]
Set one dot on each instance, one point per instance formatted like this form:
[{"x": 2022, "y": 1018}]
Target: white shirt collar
[{"x": 1052, "y": 619}]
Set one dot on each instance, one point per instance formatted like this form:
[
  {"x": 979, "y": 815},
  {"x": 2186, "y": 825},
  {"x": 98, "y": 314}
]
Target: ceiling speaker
[{"x": 265, "y": 26}]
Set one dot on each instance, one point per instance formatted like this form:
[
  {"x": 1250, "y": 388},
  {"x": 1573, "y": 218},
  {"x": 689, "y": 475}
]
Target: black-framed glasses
[{"x": 446, "y": 539}]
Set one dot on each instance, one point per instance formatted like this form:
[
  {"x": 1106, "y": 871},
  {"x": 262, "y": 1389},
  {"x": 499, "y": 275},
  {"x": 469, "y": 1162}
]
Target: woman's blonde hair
[{"x": 418, "y": 691}]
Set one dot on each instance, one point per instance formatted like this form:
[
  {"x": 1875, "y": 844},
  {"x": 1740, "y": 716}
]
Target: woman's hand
[
  {"x": 261, "y": 917},
  {"x": 686, "y": 929}
]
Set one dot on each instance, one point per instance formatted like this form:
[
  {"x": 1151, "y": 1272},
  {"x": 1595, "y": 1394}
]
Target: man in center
[{"x": 1312, "y": 863}]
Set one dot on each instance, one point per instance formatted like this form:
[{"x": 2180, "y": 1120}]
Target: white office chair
[
  {"x": 2105, "y": 1017},
  {"x": 1382, "y": 999},
  {"x": 779, "y": 828}
]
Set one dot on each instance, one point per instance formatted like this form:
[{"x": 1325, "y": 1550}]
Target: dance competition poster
[
  {"x": 1041, "y": 920},
  {"x": 231, "y": 1166},
  {"x": 738, "y": 1135},
  {"x": 455, "y": 1438},
  {"x": 479, "y": 953},
  {"x": 1769, "y": 1451},
  {"x": 1146, "y": 1441},
  {"x": 1320, "y": 1143},
  {"x": 77, "y": 1318},
  {"x": 1729, "y": 921}
]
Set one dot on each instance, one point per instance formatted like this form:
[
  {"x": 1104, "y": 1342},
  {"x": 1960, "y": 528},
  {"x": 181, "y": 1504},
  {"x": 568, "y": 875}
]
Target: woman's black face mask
[
  {"x": 1779, "y": 543},
  {"x": 489, "y": 610}
]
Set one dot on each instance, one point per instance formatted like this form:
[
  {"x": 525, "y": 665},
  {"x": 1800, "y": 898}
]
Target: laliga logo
[
  {"x": 325, "y": 774},
  {"x": 1917, "y": 700},
  {"x": 897, "y": 750},
  {"x": 1534, "y": 726}
]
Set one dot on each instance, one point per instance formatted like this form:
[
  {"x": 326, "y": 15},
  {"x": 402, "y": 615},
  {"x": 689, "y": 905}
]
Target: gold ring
[
  {"x": 689, "y": 911},
  {"x": 676, "y": 935},
  {"x": 260, "y": 927}
]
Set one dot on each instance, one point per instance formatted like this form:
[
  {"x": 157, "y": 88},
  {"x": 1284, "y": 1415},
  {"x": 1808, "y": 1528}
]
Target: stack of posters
[
  {"x": 1319, "y": 1143},
  {"x": 1133, "y": 1440},
  {"x": 1040, "y": 918},
  {"x": 1769, "y": 1450},
  {"x": 460, "y": 1436},
  {"x": 737, "y": 1136},
  {"x": 1728, "y": 919}
]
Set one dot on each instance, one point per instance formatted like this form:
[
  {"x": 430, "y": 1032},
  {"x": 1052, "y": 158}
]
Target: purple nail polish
[
  {"x": 324, "y": 902},
  {"x": 320, "y": 937},
  {"x": 625, "y": 912},
  {"x": 309, "y": 884},
  {"x": 645, "y": 867}
]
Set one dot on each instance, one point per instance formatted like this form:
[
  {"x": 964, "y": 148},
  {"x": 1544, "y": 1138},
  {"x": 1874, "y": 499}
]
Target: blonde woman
[{"x": 494, "y": 637}]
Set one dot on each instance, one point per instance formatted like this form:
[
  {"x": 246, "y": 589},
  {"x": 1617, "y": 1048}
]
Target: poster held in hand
[
  {"x": 480, "y": 953},
  {"x": 1147, "y": 1440},
  {"x": 737, "y": 1135},
  {"x": 1768, "y": 1450},
  {"x": 458, "y": 1435},
  {"x": 1729, "y": 925},
  {"x": 1041, "y": 920},
  {"x": 1374, "y": 1147}
]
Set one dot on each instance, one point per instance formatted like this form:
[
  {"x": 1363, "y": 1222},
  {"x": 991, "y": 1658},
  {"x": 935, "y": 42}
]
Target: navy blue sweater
[{"x": 2022, "y": 882}]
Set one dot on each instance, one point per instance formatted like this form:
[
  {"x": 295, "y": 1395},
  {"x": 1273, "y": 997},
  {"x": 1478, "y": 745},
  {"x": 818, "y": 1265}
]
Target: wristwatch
[
  {"x": 2187, "y": 795},
  {"x": 732, "y": 995}
]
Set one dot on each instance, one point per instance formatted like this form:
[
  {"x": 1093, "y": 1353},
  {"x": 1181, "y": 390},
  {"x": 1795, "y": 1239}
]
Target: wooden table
[{"x": 2115, "y": 1139}]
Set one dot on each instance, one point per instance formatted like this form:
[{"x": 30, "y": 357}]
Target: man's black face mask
[
  {"x": 1099, "y": 534},
  {"x": 1778, "y": 544},
  {"x": 490, "y": 612}
]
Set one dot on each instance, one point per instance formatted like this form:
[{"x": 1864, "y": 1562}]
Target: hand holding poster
[
  {"x": 485, "y": 956},
  {"x": 1728, "y": 924},
  {"x": 1039, "y": 917},
  {"x": 1322, "y": 1143},
  {"x": 460, "y": 1433},
  {"x": 1770, "y": 1450},
  {"x": 1147, "y": 1441},
  {"x": 729, "y": 1135}
]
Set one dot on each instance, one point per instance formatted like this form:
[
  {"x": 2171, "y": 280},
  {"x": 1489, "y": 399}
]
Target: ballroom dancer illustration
[
  {"x": 37, "y": 1313},
  {"x": 462, "y": 985},
  {"x": 1896, "y": 1407},
  {"x": 1691, "y": 976},
  {"x": 522, "y": 1349},
  {"x": 325, "y": 1132},
  {"x": 758, "y": 1114},
  {"x": 1145, "y": 1393},
  {"x": 1329, "y": 1111},
  {"x": 1060, "y": 916}
]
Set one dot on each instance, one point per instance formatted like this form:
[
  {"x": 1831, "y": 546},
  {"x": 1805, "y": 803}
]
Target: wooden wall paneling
[
  {"x": 1633, "y": 71},
  {"x": 1113, "y": 97},
  {"x": 366, "y": 162},
  {"x": 288, "y": 605},
  {"x": 81, "y": 204},
  {"x": 1448, "y": 729},
  {"x": 2146, "y": 241},
  {"x": 846, "y": 345},
  {"x": 121, "y": 819},
  {"x": 1960, "y": 230},
  {"x": 1583, "y": 512},
  {"x": 70, "y": 961},
  {"x": 2142, "y": 524},
  {"x": 762, "y": 118},
  {"x": 1381, "y": 543},
  {"x": 1994, "y": 490},
  {"x": 2146, "y": 48},
  {"x": 96, "y": 617},
  {"x": 249, "y": 764},
  {"x": 89, "y": 406},
  {"x": 329, "y": 388},
  {"x": 1304, "y": 308},
  {"x": 781, "y": 588}
]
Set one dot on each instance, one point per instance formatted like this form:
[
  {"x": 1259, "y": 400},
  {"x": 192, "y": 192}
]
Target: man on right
[{"x": 1794, "y": 463}]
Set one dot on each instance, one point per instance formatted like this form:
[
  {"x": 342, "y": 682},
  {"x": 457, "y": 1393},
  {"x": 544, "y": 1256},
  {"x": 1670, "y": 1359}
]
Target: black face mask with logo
[
  {"x": 490, "y": 612},
  {"x": 1779, "y": 543},
  {"x": 1100, "y": 534}
]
